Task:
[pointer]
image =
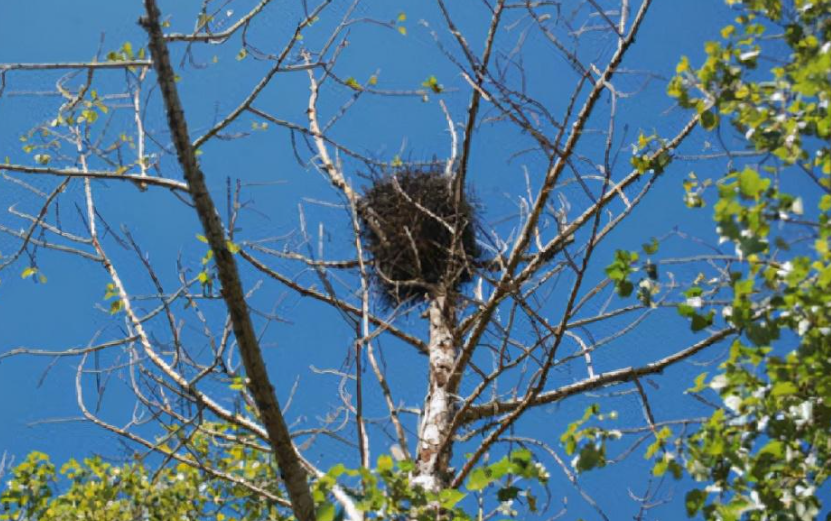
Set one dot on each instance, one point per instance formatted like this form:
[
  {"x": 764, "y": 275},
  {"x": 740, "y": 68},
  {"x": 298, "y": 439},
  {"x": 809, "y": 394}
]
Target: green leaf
[
  {"x": 651, "y": 247},
  {"x": 694, "y": 501},
  {"x": 751, "y": 185},
  {"x": 28, "y": 272},
  {"x": 591, "y": 457},
  {"x": 433, "y": 84},
  {"x": 784, "y": 389},
  {"x": 201, "y": 238},
  {"x": 700, "y": 322},
  {"x": 700, "y": 383},
  {"x": 507, "y": 493},
  {"x": 116, "y": 306},
  {"x": 326, "y": 512},
  {"x": 449, "y": 497},
  {"x": 709, "y": 120},
  {"x": 233, "y": 248},
  {"x": 775, "y": 448},
  {"x": 353, "y": 84},
  {"x": 385, "y": 463},
  {"x": 479, "y": 479}
]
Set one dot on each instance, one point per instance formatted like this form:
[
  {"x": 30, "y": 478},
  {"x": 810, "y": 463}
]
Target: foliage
[
  {"x": 99, "y": 491},
  {"x": 766, "y": 453}
]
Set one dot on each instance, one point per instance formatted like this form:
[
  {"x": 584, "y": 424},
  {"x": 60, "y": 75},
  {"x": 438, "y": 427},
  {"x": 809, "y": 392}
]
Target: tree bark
[
  {"x": 433, "y": 467},
  {"x": 288, "y": 460}
]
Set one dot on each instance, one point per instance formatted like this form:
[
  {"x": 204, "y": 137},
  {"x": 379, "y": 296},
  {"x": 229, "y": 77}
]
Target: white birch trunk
[{"x": 433, "y": 467}]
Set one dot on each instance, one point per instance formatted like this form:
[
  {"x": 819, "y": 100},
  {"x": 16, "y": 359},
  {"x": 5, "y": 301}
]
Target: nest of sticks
[{"x": 421, "y": 240}]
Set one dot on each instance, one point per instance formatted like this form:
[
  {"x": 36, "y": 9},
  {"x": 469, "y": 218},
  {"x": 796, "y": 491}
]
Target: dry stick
[
  {"x": 543, "y": 373},
  {"x": 79, "y": 393},
  {"x": 478, "y": 412},
  {"x": 337, "y": 178},
  {"x": 74, "y": 351},
  {"x": 140, "y": 126},
  {"x": 569, "y": 474},
  {"x": 476, "y": 96},
  {"x": 567, "y": 234},
  {"x": 73, "y": 65},
  {"x": 48, "y": 227},
  {"x": 339, "y": 181},
  {"x": 98, "y": 174},
  {"x": 503, "y": 287},
  {"x": 28, "y": 235},
  {"x": 49, "y": 245},
  {"x": 339, "y": 304},
  {"x": 289, "y": 461},
  {"x": 454, "y": 140},
  {"x": 217, "y": 37},
  {"x": 246, "y": 103},
  {"x": 647, "y": 410},
  {"x": 137, "y": 324},
  {"x": 363, "y": 338},
  {"x": 385, "y": 389}
]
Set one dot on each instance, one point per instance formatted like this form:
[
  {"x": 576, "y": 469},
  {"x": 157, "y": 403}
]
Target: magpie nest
[{"x": 408, "y": 219}]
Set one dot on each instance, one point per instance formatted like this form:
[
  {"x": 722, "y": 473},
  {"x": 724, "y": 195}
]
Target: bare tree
[{"x": 538, "y": 322}]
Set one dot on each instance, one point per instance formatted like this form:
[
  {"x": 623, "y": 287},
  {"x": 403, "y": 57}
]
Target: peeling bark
[{"x": 433, "y": 466}]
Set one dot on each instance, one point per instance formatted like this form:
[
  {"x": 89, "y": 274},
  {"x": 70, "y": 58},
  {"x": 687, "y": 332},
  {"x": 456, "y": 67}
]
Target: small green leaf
[
  {"x": 694, "y": 501},
  {"x": 479, "y": 479},
  {"x": 448, "y": 498},
  {"x": 651, "y": 247},
  {"x": 700, "y": 384},
  {"x": 116, "y": 306},
  {"x": 507, "y": 493},
  {"x": 432, "y": 83},
  {"x": 751, "y": 185},
  {"x": 353, "y": 84},
  {"x": 326, "y": 512},
  {"x": 784, "y": 389},
  {"x": 384, "y": 463}
]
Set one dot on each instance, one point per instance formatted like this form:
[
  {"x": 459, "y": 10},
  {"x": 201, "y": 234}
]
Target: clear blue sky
[{"x": 37, "y": 395}]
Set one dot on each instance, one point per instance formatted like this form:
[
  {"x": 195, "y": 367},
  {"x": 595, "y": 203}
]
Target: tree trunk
[{"x": 433, "y": 468}]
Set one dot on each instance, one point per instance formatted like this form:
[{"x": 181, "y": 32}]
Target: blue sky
[{"x": 38, "y": 401}]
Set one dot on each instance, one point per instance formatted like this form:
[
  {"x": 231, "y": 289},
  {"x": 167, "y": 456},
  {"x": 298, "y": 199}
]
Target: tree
[{"x": 547, "y": 305}]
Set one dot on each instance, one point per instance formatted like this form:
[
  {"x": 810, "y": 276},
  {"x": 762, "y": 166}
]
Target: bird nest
[{"x": 421, "y": 240}]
